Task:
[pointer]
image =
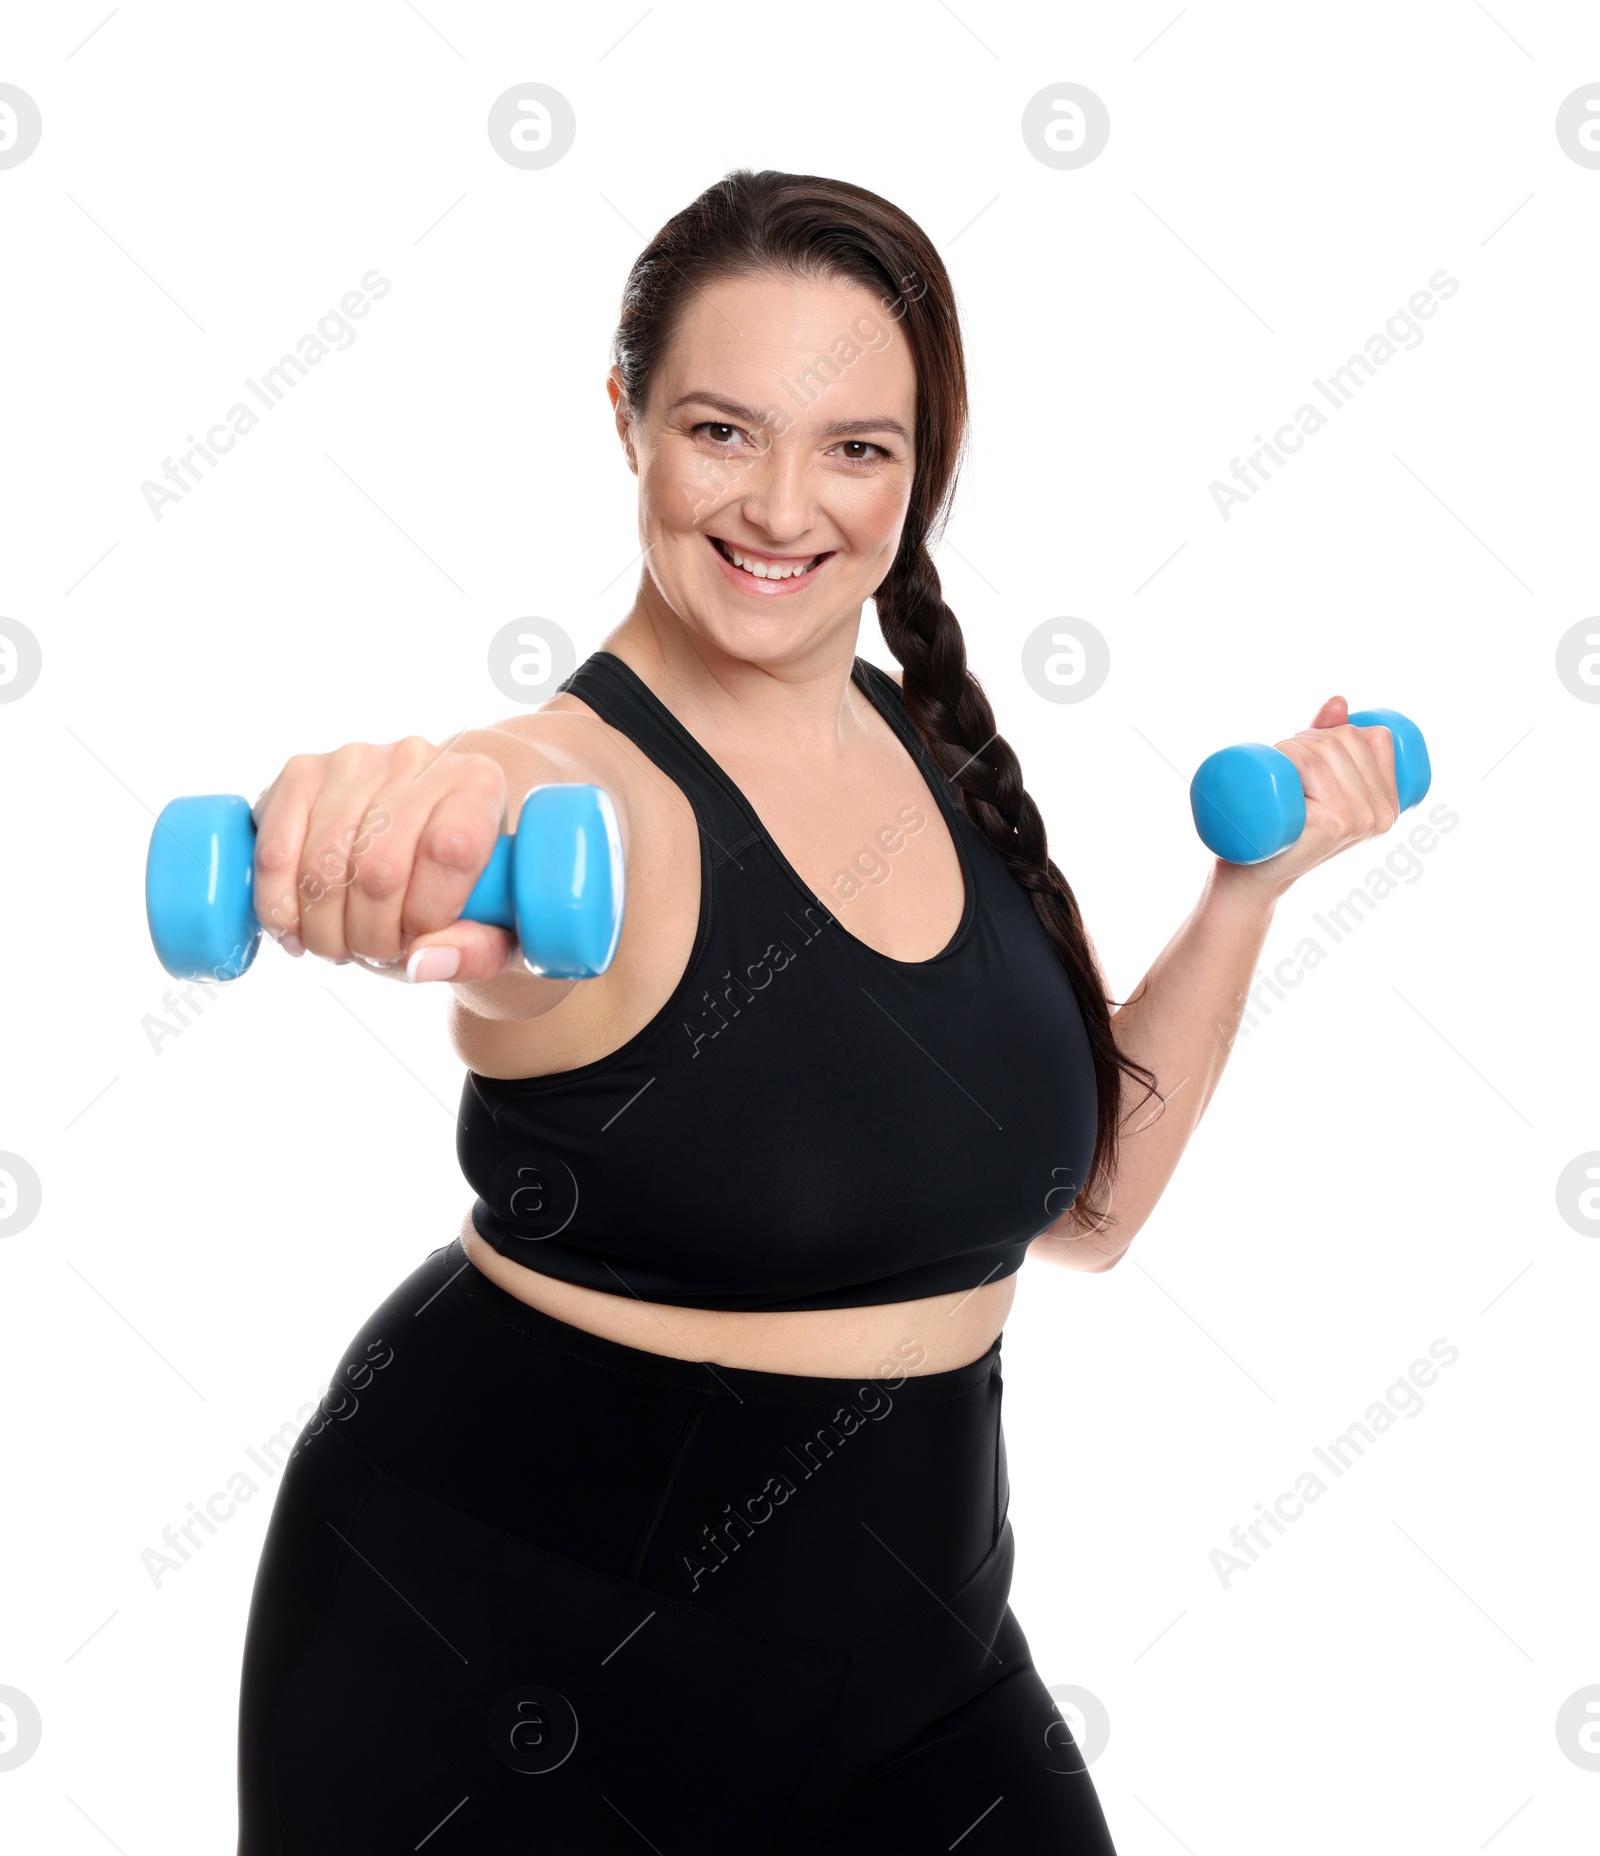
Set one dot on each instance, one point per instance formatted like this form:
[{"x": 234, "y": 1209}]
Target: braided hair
[{"x": 802, "y": 225}]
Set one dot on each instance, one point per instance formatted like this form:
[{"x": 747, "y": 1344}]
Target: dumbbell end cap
[
  {"x": 1247, "y": 802},
  {"x": 568, "y": 880},
  {"x": 197, "y": 887},
  {"x": 1413, "y": 773}
]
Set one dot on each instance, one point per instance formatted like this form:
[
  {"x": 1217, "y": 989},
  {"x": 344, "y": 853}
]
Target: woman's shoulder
[
  {"x": 565, "y": 740},
  {"x": 496, "y": 1034}
]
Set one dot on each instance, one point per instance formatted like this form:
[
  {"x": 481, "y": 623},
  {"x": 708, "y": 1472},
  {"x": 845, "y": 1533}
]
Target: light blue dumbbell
[
  {"x": 556, "y": 883},
  {"x": 1248, "y": 803}
]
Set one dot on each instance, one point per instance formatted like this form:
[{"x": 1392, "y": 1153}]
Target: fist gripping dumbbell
[
  {"x": 1248, "y": 803},
  {"x": 556, "y": 883}
]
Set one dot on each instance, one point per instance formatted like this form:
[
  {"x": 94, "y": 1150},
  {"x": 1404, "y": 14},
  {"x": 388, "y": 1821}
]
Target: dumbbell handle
[{"x": 492, "y": 899}]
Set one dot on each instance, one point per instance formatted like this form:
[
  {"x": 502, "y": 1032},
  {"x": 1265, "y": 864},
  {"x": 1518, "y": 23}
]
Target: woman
[{"x": 667, "y": 1504}]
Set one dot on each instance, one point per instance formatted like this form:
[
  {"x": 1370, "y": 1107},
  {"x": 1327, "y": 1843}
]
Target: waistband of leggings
[{"x": 738, "y": 1382}]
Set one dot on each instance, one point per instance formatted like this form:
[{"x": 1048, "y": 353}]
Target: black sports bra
[{"x": 807, "y": 1122}]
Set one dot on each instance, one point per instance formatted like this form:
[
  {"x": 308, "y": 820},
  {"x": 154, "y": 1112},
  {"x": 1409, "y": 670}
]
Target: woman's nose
[{"x": 775, "y": 497}]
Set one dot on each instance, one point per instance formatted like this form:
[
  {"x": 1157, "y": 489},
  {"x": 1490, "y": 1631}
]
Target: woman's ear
[{"x": 624, "y": 418}]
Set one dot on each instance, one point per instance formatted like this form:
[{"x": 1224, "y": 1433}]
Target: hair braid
[{"x": 952, "y": 714}]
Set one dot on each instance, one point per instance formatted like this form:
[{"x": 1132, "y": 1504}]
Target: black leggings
[{"x": 525, "y": 1588}]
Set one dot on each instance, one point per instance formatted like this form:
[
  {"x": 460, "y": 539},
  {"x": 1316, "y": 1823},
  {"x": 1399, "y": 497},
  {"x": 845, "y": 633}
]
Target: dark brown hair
[{"x": 800, "y": 225}]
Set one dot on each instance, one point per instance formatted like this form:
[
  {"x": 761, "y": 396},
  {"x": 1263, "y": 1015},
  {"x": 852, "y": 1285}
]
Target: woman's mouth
[{"x": 767, "y": 574}]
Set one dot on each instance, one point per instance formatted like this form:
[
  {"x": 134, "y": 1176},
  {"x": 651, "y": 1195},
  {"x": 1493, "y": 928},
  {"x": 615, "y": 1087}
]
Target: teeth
[{"x": 765, "y": 570}]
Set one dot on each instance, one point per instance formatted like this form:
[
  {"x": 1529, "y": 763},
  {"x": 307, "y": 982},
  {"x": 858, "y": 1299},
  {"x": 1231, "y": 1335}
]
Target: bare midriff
[{"x": 933, "y": 1334}]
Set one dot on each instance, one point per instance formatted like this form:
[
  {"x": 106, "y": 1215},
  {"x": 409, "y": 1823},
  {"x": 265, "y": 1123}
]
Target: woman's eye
[{"x": 723, "y": 436}]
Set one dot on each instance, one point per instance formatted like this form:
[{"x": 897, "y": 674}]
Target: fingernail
[
  {"x": 292, "y": 944},
  {"x": 433, "y": 963}
]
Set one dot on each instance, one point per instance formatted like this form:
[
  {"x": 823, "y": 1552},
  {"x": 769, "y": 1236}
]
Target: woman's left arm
[{"x": 1182, "y": 1019}]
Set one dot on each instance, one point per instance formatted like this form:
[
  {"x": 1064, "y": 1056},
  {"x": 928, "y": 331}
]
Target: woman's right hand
[{"x": 370, "y": 853}]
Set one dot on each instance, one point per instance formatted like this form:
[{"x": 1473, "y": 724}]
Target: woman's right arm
[{"x": 369, "y": 853}]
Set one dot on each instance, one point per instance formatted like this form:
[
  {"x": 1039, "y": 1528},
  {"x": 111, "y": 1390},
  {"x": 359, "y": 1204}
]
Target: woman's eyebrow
[{"x": 839, "y": 428}]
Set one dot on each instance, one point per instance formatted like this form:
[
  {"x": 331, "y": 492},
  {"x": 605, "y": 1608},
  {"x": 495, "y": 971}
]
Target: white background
[{"x": 1378, "y": 1168}]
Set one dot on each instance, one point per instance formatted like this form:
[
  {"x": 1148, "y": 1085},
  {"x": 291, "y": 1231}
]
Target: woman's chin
[{"x": 767, "y": 636}]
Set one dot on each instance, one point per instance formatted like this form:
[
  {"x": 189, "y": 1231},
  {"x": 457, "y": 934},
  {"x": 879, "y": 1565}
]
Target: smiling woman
[
  {"x": 686, "y": 1252},
  {"x": 715, "y": 1214}
]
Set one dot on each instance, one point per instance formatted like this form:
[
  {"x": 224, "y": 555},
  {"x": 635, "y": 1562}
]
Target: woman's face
[{"x": 777, "y": 434}]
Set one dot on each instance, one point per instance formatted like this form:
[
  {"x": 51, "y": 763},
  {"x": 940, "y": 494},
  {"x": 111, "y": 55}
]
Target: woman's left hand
[{"x": 1347, "y": 774}]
